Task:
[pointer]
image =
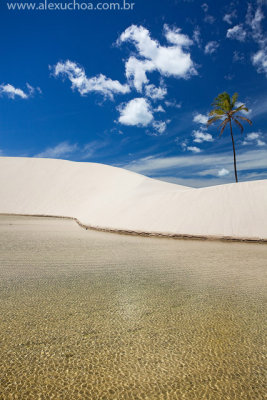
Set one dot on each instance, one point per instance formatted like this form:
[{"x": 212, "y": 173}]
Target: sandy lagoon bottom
[{"x": 92, "y": 315}]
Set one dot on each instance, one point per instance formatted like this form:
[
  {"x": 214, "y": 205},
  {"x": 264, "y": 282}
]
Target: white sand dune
[{"x": 112, "y": 198}]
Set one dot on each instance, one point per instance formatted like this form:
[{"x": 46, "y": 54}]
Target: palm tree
[{"x": 224, "y": 109}]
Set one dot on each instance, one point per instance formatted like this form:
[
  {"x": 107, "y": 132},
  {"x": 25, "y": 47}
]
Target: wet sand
[{"x": 93, "y": 315}]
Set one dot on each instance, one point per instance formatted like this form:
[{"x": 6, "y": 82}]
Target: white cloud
[
  {"x": 201, "y": 119},
  {"x": 65, "y": 149},
  {"x": 194, "y": 149},
  {"x": 159, "y": 109},
  {"x": 247, "y": 113},
  {"x": 198, "y": 180},
  {"x": 223, "y": 172},
  {"x": 209, "y": 19},
  {"x": 250, "y": 160},
  {"x": 211, "y": 47},
  {"x": 32, "y": 90},
  {"x": 159, "y": 126},
  {"x": 173, "y": 104},
  {"x": 12, "y": 92},
  {"x": 197, "y": 36},
  {"x": 260, "y": 143},
  {"x": 256, "y": 175},
  {"x": 136, "y": 71},
  {"x": 229, "y": 17},
  {"x": 259, "y": 60},
  {"x": 200, "y": 136},
  {"x": 183, "y": 144},
  {"x": 254, "y": 21},
  {"x": 137, "y": 112},
  {"x": 260, "y": 107},
  {"x": 238, "y": 57},
  {"x": 84, "y": 85},
  {"x": 60, "y": 150},
  {"x": 175, "y": 36},
  {"x": 155, "y": 93},
  {"x": 229, "y": 77},
  {"x": 237, "y": 32},
  {"x": 254, "y": 138},
  {"x": 91, "y": 148},
  {"x": 168, "y": 61},
  {"x": 205, "y": 7}
]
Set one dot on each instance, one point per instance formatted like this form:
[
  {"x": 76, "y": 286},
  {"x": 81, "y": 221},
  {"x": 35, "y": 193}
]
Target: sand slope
[{"x": 102, "y": 196}]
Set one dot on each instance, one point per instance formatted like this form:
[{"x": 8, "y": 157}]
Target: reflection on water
[{"x": 90, "y": 315}]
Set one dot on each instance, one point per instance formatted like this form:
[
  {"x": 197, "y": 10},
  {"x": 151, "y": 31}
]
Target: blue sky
[{"x": 132, "y": 88}]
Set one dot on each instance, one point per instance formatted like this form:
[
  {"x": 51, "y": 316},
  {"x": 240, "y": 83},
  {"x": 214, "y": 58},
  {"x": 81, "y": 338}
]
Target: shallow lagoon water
[{"x": 93, "y": 315}]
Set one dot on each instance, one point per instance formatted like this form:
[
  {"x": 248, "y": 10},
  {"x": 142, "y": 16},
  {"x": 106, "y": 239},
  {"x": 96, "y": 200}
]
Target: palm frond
[
  {"x": 225, "y": 121},
  {"x": 244, "y": 119},
  {"x": 234, "y": 99},
  {"x": 239, "y": 125},
  {"x": 217, "y": 111},
  {"x": 214, "y": 119},
  {"x": 223, "y": 125},
  {"x": 223, "y": 101},
  {"x": 240, "y": 108}
]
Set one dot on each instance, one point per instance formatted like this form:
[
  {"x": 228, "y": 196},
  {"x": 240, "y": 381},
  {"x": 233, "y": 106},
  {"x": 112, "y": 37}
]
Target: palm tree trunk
[{"x": 233, "y": 142}]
